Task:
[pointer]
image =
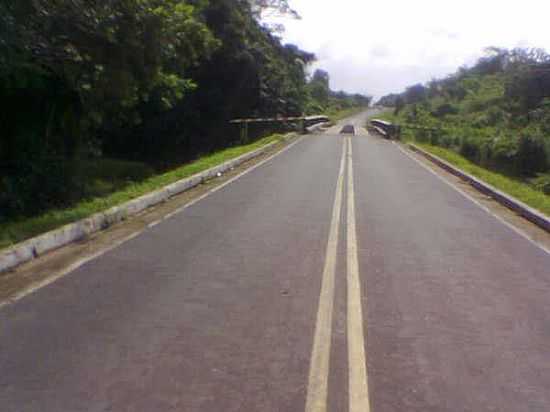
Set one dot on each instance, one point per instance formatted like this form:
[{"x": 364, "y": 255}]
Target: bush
[
  {"x": 35, "y": 185},
  {"x": 530, "y": 156},
  {"x": 476, "y": 105},
  {"x": 114, "y": 169},
  {"x": 421, "y": 136},
  {"x": 486, "y": 152},
  {"x": 503, "y": 153},
  {"x": 435, "y": 137},
  {"x": 445, "y": 109},
  {"x": 542, "y": 183},
  {"x": 449, "y": 140},
  {"x": 481, "y": 120},
  {"x": 100, "y": 177},
  {"x": 495, "y": 115},
  {"x": 469, "y": 148}
]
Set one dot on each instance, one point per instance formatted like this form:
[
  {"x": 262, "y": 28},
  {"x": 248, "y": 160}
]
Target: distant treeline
[
  {"x": 148, "y": 81},
  {"x": 496, "y": 113}
]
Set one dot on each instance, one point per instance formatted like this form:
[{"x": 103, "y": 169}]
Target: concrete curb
[
  {"x": 316, "y": 127},
  {"x": 517, "y": 206},
  {"x": 39, "y": 245}
]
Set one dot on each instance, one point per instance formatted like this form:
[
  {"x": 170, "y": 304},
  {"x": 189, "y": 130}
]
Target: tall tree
[
  {"x": 262, "y": 7},
  {"x": 319, "y": 87}
]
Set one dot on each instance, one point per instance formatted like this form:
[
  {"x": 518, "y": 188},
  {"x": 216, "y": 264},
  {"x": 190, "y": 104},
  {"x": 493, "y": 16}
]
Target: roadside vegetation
[
  {"x": 145, "y": 182},
  {"x": 493, "y": 119},
  {"x": 102, "y": 97},
  {"x": 513, "y": 186}
]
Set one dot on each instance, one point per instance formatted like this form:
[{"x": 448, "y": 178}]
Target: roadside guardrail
[
  {"x": 39, "y": 245},
  {"x": 385, "y": 129},
  {"x": 534, "y": 216},
  {"x": 304, "y": 122}
]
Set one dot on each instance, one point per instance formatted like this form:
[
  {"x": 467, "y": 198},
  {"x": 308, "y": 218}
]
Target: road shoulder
[
  {"x": 46, "y": 269},
  {"x": 506, "y": 216}
]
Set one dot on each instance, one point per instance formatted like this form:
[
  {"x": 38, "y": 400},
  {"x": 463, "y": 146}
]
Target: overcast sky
[{"x": 378, "y": 47}]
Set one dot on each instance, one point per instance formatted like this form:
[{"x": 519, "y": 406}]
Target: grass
[
  {"x": 22, "y": 229},
  {"x": 103, "y": 176},
  {"x": 516, "y": 188},
  {"x": 388, "y": 116}
]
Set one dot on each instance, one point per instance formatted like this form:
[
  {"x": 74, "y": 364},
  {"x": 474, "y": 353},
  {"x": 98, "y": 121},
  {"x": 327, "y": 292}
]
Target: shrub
[
  {"x": 446, "y": 140},
  {"x": 37, "y": 184},
  {"x": 100, "y": 177},
  {"x": 114, "y": 169},
  {"x": 503, "y": 153},
  {"x": 530, "y": 156},
  {"x": 486, "y": 152},
  {"x": 495, "y": 115},
  {"x": 435, "y": 137},
  {"x": 444, "y": 109},
  {"x": 475, "y": 105},
  {"x": 480, "y": 121},
  {"x": 542, "y": 183},
  {"x": 470, "y": 149},
  {"x": 422, "y": 136}
]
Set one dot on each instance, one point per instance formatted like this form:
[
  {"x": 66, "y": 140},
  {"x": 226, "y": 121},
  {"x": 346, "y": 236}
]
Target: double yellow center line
[{"x": 317, "y": 392}]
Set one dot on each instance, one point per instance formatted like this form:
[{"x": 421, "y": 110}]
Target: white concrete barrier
[
  {"x": 316, "y": 127},
  {"x": 534, "y": 216},
  {"x": 39, "y": 245}
]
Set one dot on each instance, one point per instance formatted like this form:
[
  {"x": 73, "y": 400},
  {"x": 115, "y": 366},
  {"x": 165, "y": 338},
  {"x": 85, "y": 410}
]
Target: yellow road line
[
  {"x": 320, "y": 357},
  {"x": 357, "y": 365}
]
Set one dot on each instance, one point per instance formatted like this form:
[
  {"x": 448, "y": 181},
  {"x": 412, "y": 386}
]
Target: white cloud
[{"x": 378, "y": 48}]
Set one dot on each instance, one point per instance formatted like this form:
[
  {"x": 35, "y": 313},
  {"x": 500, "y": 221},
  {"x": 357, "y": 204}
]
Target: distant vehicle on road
[{"x": 348, "y": 129}]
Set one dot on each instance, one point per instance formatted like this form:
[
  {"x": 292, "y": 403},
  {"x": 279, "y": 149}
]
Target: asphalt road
[{"x": 339, "y": 276}]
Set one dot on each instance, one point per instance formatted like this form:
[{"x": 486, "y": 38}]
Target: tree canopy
[
  {"x": 495, "y": 113},
  {"x": 153, "y": 81}
]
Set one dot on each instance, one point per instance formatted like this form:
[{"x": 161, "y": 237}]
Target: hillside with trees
[
  {"x": 495, "y": 113},
  {"x": 99, "y": 93}
]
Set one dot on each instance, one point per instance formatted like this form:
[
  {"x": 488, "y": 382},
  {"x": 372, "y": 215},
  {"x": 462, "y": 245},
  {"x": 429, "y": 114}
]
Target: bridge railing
[
  {"x": 385, "y": 129},
  {"x": 303, "y": 122},
  {"x": 393, "y": 131}
]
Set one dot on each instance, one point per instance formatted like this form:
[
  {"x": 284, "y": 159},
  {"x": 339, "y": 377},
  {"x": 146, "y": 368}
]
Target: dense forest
[
  {"x": 495, "y": 113},
  {"x": 128, "y": 87}
]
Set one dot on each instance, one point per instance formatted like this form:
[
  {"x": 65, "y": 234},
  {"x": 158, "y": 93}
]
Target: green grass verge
[
  {"x": 17, "y": 231},
  {"x": 516, "y": 188},
  {"x": 523, "y": 190},
  {"x": 388, "y": 116}
]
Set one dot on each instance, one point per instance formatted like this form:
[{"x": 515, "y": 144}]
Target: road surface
[{"x": 339, "y": 276}]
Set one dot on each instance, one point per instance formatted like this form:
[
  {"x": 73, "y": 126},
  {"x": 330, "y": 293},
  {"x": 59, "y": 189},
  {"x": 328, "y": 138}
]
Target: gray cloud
[
  {"x": 378, "y": 79},
  {"x": 426, "y": 39}
]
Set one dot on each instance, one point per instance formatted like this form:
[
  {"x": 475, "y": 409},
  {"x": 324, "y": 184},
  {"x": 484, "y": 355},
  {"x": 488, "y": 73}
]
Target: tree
[
  {"x": 261, "y": 7},
  {"x": 319, "y": 87},
  {"x": 494, "y": 61},
  {"x": 415, "y": 94},
  {"x": 399, "y": 104},
  {"x": 115, "y": 54},
  {"x": 76, "y": 74},
  {"x": 146, "y": 80},
  {"x": 527, "y": 78}
]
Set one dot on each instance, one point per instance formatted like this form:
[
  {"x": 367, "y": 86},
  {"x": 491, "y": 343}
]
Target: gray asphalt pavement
[
  {"x": 458, "y": 303},
  {"x": 218, "y": 307}
]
